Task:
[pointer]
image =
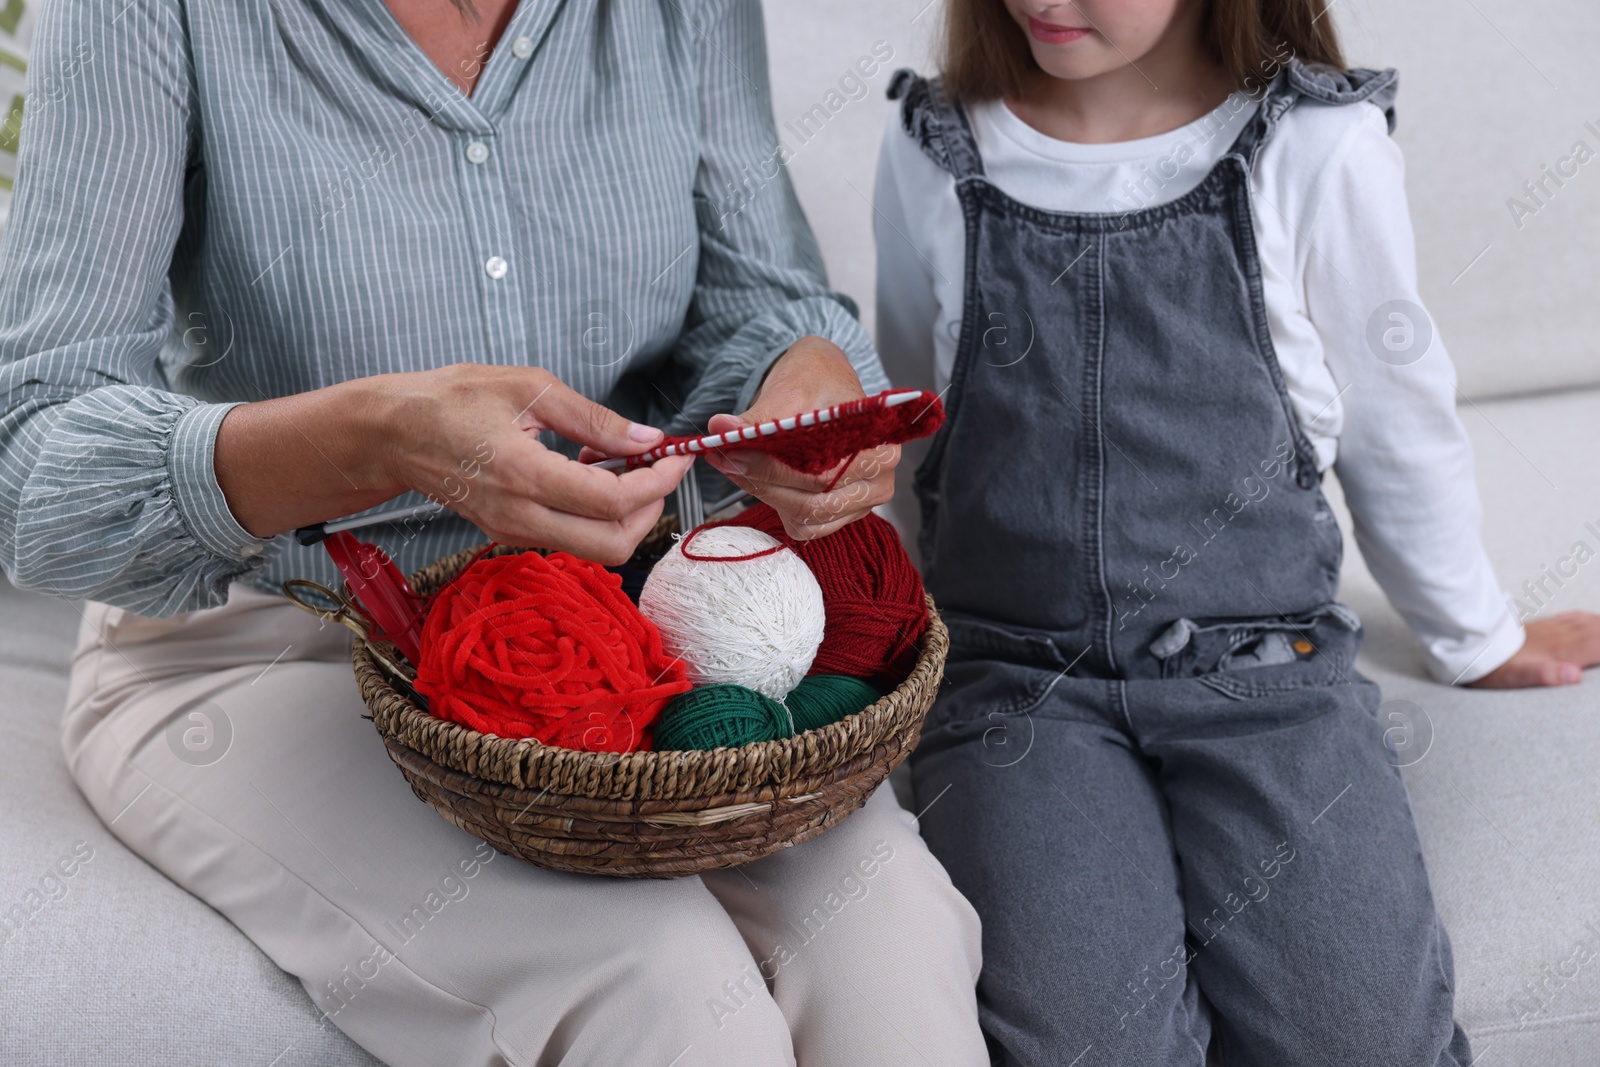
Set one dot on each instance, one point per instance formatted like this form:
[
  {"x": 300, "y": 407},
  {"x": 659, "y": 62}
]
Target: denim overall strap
[
  {"x": 1121, "y": 461},
  {"x": 938, "y": 125},
  {"x": 1323, "y": 84}
]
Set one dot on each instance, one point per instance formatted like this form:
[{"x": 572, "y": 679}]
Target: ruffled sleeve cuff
[
  {"x": 122, "y": 505},
  {"x": 823, "y": 317},
  {"x": 758, "y": 375},
  {"x": 191, "y": 465}
]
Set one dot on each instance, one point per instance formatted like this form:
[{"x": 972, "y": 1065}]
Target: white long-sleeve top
[{"x": 1337, "y": 249}]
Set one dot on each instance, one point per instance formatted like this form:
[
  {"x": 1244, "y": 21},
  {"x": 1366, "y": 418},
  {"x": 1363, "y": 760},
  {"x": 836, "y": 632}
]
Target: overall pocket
[{"x": 1249, "y": 657}]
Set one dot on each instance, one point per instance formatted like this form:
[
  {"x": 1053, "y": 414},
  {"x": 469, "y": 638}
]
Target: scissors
[{"x": 380, "y": 605}]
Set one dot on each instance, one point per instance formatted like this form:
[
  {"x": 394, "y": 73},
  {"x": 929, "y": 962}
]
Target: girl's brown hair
[{"x": 985, "y": 53}]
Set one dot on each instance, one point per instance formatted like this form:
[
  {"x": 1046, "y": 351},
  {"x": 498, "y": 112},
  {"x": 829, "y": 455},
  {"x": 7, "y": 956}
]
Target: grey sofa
[{"x": 114, "y": 964}]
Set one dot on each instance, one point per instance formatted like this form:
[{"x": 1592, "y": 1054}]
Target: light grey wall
[
  {"x": 812, "y": 44},
  {"x": 1491, "y": 90}
]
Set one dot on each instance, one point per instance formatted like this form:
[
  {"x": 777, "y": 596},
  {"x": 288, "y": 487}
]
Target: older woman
[{"x": 274, "y": 261}]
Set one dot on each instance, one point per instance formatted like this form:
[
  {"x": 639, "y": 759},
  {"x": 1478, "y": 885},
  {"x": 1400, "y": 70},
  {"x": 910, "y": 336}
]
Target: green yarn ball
[
  {"x": 731, "y": 716},
  {"x": 720, "y": 716},
  {"x": 821, "y": 699}
]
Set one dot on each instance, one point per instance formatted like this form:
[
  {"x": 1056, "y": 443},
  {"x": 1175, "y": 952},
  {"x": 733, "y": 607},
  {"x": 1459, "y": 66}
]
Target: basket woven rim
[{"x": 712, "y": 777}]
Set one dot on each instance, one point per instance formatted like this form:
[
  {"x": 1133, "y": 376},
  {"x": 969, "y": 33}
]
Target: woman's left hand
[
  {"x": 812, "y": 374},
  {"x": 1555, "y": 652}
]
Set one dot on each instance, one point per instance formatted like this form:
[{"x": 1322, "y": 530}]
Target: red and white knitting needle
[
  {"x": 842, "y": 414},
  {"x": 712, "y": 441}
]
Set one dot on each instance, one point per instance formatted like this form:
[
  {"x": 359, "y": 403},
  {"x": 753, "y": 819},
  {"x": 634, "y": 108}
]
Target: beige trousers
[{"x": 227, "y": 748}]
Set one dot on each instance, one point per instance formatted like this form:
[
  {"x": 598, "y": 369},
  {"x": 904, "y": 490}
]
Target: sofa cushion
[
  {"x": 1506, "y": 785},
  {"x": 102, "y": 959}
]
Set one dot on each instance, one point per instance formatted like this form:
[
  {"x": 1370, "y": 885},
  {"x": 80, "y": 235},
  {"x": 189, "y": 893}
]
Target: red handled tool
[{"x": 381, "y": 606}]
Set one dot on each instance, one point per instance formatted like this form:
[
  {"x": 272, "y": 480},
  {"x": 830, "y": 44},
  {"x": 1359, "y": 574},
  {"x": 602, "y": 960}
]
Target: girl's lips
[{"x": 1048, "y": 33}]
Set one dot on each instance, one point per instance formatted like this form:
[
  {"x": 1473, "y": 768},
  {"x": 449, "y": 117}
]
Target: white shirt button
[
  {"x": 477, "y": 152},
  {"x": 522, "y": 47},
  {"x": 496, "y": 267},
  {"x": 246, "y": 551}
]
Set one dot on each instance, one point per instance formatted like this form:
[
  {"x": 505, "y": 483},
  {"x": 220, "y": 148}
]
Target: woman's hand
[
  {"x": 464, "y": 435},
  {"x": 469, "y": 437},
  {"x": 812, "y": 374},
  {"x": 1555, "y": 652}
]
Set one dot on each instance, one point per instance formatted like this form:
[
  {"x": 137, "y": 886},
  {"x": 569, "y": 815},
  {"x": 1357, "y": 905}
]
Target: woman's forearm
[{"x": 307, "y": 458}]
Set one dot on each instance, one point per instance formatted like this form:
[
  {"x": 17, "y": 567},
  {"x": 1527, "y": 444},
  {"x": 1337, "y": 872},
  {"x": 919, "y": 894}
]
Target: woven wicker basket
[{"x": 642, "y": 814}]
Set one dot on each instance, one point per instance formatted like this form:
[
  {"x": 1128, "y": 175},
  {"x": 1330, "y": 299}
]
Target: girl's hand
[
  {"x": 467, "y": 435},
  {"x": 812, "y": 374},
  {"x": 1556, "y": 651}
]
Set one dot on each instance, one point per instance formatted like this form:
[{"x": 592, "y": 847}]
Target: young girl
[{"x": 1157, "y": 254}]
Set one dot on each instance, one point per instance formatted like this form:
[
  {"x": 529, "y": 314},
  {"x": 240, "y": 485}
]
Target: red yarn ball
[
  {"x": 876, "y": 614},
  {"x": 547, "y": 647}
]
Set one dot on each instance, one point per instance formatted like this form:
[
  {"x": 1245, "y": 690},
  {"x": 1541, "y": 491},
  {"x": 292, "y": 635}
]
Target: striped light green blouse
[{"x": 220, "y": 201}]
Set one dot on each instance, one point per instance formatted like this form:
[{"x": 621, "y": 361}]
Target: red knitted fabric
[
  {"x": 547, "y": 647},
  {"x": 872, "y": 594},
  {"x": 859, "y": 425}
]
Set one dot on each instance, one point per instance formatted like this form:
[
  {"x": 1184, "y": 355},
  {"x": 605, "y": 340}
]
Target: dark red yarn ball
[
  {"x": 871, "y": 592},
  {"x": 547, "y": 647}
]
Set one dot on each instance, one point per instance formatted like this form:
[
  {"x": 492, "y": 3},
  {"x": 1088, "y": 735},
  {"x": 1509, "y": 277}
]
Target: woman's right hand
[
  {"x": 465, "y": 435},
  {"x": 468, "y": 436}
]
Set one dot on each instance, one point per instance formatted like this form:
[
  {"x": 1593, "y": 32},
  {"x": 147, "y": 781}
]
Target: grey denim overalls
[{"x": 1151, "y": 697}]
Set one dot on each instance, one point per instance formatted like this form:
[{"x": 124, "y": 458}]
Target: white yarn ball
[{"x": 754, "y": 622}]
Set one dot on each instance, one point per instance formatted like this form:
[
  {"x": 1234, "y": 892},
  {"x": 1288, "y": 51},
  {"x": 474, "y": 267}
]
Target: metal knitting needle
[{"x": 310, "y": 535}]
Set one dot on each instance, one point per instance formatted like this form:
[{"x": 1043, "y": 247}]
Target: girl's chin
[{"x": 1074, "y": 67}]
